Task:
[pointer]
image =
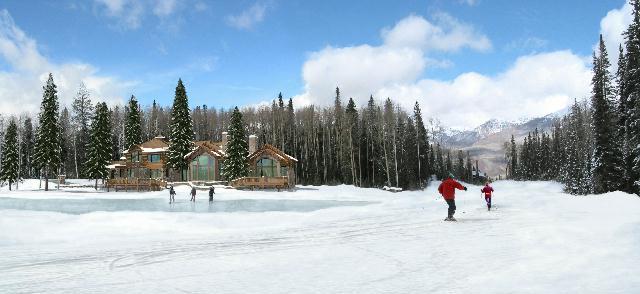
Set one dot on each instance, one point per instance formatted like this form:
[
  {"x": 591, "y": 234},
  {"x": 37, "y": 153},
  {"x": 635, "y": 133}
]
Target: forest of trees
[
  {"x": 372, "y": 146},
  {"x": 596, "y": 147}
]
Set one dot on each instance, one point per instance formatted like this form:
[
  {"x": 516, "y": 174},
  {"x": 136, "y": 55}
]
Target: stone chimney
[
  {"x": 252, "y": 143},
  {"x": 225, "y": 140}
]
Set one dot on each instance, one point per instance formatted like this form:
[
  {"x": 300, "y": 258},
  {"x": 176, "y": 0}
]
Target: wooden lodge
[{"x": 143, "y": 166}]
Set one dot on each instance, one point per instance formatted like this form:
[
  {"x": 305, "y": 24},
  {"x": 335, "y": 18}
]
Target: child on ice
[{"x": 487, "y": 190}]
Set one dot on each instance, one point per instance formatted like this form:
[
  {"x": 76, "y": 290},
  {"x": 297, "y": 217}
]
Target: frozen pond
[{"x": 80, "y": 206}]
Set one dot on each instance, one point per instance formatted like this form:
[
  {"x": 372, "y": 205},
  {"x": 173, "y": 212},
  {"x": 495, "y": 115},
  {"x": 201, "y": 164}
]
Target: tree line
[
  {"x": 596, "y": 147},
  {"x": 378, "y": 145}
]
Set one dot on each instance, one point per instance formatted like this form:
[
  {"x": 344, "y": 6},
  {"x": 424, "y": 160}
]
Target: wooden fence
[
  {"x": 261, "y": 183},
  {"x": 136, "y": 184}
]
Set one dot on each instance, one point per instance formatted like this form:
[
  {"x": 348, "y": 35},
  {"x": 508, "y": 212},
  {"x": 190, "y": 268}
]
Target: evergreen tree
[
  {"x": 26, "y": 150},
  {"x": 630, "y": 93},
  {"x": 422, "y": 147},
  {"x": 353, "y": 139},
  {"x": 99, "y": 145},
  {"x": 10, "y": 164},
  {"x": 606, "y": 174},
  {"x": 181, "y": 138},
  {"x": 133, "y": 123},
  {"x": 235, "y": 164},
  {"x": 47, "y": 147},
  {"x": 513, "y": 160},
  {"x": 82, "y": 110}
]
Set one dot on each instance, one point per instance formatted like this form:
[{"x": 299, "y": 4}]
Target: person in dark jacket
[
  {"x": 211, "y": 192},
  {"x": 193, "y": 194},
  {"x": 487, "y": 190},
  {"x": 172, "y": 195},
  {"x": 448, "y": 191}
]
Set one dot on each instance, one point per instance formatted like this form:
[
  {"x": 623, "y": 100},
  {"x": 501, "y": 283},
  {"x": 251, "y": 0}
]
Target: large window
[
  {"x": 135, "y": 157},
  {"x": 284, "y": 170},
  {"x": 154, "y": 158},
  {"x": 266, "y": 167},
  {"x": 203, "y": 168},
  {"x": 156, "y": 173}
]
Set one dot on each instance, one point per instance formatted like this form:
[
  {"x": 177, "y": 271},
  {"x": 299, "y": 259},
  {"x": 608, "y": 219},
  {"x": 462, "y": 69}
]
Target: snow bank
[{"x": 537, "y": 240}]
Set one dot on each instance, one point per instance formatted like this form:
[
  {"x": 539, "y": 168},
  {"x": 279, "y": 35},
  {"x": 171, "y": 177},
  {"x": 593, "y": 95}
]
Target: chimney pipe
[
  {"x": 252, "y": 143},
  {"x": 225, "y": 138}
]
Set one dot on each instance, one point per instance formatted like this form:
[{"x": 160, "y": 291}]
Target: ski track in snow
[{"x": 537, "y": 240}]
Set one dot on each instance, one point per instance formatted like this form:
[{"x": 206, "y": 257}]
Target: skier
[
  {"x": 193, "y": 194},
  {"x": 448, "y": 191},
  {"x": 211, "y": 192},
  {"x": 172, "y": 195},
  {"x": 487, "y": 190}
]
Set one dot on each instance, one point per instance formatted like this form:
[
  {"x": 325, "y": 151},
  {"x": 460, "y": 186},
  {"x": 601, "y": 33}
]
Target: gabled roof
[
  {"x": 273, "y": 151},
  {"x": 155, "y": 145},
  {"x": 205, "y": 147}
]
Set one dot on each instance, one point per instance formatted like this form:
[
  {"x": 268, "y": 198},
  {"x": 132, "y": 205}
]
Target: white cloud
[
  {"x": 444, "y": 34},
  {"x": 469, "y": 2},
  {"x": 535, "y": 85},
  {"x": 21, "y": 85},
  {"x": 164, "y": 7},
  {"x": 612, "y": 26},
  {"x": 129, "y": 14},
  {"x": 249, "y": 17}
]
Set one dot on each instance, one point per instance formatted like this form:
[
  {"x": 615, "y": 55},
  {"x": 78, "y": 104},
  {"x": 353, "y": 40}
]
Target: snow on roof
[
  {"x": 154, "y": 150},
  {"x": 115, "y": 165}
]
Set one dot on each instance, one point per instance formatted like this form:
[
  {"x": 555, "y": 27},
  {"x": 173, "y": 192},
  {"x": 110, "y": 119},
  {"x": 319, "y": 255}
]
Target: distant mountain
[{"x": 486, "y": 143}]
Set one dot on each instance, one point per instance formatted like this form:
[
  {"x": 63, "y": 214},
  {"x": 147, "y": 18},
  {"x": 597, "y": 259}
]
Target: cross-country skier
[
  {"x": 487, "y": 190},
  {"x": 193, "y": 194},
  {"x": 172, "y": 195},
  {"x": 448, "y": 190},
  {"x": 211, "y": 192}
]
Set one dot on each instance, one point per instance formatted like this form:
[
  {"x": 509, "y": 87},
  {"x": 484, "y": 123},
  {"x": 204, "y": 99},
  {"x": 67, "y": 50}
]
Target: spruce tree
[
  {"x": 99, "y": 145},
  {"x": 10, "y": 164},
  {"x": 422, "y": 147},
  {"x": 181, "y": 138},
  {"x": 605, "y": 155},
  {"x": 26, "y": 150},
  {"x": 47, "y": 147},
  {"x": 235, "y": 164},
  {"x": 629, "y": 95},
  {"x": 133, "y": 124},
  {"x": 513, "y": 163},
  {"x": 82, "y": 111}
]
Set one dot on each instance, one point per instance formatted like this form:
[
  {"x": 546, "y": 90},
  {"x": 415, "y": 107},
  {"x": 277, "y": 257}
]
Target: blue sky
[{"x": 245, "y": 52}]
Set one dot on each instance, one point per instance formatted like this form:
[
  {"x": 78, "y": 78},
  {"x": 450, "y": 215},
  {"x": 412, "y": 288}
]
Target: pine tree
[
  {"x": 133, "y": 124},
  {"x": 353, "y": 138},
  {"x": 47, "y": 147},
  {"x": 82, "y": 110},
  {"x": 181, "y": 138},
  {"x": 630, "y": 93},
  {"x": 513, "y": 160},
  {"x": 424, "y": 170},
  {"x": 605, "y": 155},
  {"x": 10, "y": 164},
  {"x": 235, "y": 164},
  {"x": 99, "y": 145},
  {"x": 26, "y": 150}
]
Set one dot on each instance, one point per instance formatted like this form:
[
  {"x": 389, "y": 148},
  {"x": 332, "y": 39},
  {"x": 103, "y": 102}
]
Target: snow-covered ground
[{"x": 319, "y": 240}]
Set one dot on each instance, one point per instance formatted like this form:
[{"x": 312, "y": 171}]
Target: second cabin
[{"x": 269, "y": 167}]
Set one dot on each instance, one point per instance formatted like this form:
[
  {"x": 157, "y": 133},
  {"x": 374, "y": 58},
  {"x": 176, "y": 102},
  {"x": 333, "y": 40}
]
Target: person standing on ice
[
  {"x": 211, "y": 192},
  {"x": 487, "y": 190},
  {"x": 448, "y": 191},
  {"x": 193, "y": 194},
  {"x": 172, "y": 195}
]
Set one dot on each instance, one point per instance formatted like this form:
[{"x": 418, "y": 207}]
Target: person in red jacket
[
  {"x": 487, "y": 190},
  {"x": 448, "y": 191}
]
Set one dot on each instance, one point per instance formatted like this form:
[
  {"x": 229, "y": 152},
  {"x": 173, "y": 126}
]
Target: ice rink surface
[{"x": 319, "y": 240}]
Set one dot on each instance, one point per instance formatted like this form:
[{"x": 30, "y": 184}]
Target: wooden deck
[
  {"x": 261, "y": 183},
  {"x": 136, "y": 184}
]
